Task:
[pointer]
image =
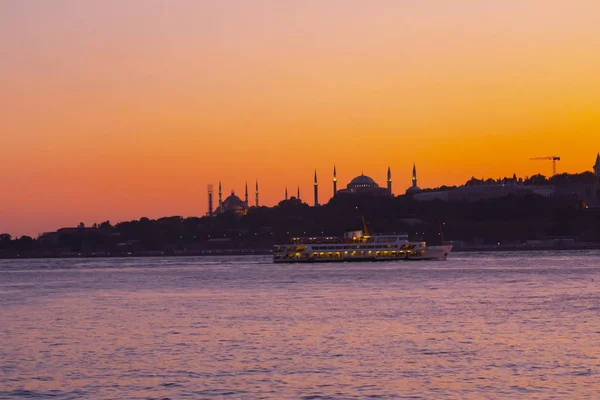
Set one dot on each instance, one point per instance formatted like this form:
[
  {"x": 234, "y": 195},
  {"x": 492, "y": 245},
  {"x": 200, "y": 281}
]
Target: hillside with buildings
[{"x": 562, "y": 211}]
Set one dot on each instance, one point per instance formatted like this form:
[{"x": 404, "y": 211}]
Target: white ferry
[{"x": 357, "y": 246}]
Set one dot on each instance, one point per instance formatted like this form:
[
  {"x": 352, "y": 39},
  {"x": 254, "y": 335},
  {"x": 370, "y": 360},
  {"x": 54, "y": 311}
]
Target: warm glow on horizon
[{"x": 122, "y": 109}]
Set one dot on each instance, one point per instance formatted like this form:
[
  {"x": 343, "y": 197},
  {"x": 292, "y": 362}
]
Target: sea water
[{"x": 479, "y": 325}]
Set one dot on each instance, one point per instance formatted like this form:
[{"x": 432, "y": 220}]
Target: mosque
[
  {"x": 366, "y": 186},
  {"x": 232, "y": 203},
  {"x": 363, "y": 185}
]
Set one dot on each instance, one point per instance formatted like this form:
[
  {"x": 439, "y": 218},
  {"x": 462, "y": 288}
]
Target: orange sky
[{"x": 122, "y": 109}]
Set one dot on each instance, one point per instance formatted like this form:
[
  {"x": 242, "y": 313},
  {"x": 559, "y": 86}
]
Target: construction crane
[{"x": 554, "y": 159}]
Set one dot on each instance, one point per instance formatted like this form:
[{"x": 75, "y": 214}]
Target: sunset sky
[{"x": 121, "y": 109}]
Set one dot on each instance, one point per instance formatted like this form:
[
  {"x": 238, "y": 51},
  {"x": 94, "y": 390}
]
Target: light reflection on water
[{"x": 492, "y": 325}]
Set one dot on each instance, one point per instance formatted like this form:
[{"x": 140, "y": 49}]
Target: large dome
[
  {"x": 363, "y": 184},
  {"x": 233, "y": 202},
  {"x": 362, "y": 181}
]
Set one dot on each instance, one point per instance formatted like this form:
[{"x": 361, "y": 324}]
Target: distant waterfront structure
[
  {"x": 298, "y": 192},
  {"x": 389, "y": 181},
  {"x": 413, "y": 189},
  {"x": 286, "y": 194},
  {"x": 246, "y": 194},
  {"x": 597, "y": 166}
]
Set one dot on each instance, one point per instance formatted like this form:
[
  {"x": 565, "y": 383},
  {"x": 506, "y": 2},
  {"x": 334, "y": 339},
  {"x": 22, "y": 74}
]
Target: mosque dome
[
  {"x": 362, "y": 182},
  {"x": 233, "y": 202},
  {"x": 413, "y": 190}
]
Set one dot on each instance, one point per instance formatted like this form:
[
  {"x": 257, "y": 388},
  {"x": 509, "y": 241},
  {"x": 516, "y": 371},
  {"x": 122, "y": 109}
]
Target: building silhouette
[
  {"x": 584, "y": 190},
  {"x": 232, "y": 203}
]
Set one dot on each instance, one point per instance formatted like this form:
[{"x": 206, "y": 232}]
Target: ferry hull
[
  {"x": 433, "y": 253},
  {"x": 430, "y": 253}
]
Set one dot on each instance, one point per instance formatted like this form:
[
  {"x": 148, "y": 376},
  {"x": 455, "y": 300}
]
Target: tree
[
  {"x": 5, "y": 241},
  {"x": 474, "y": 181},
  {"x": 559, "y": 179},
  {"x": 106, "y": 225},
  {"x": 538, "y": 179},
  {"x": 24, "y": 243}
]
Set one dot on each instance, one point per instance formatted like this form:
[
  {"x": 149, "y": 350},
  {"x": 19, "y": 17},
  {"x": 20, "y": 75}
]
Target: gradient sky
[{"x": 121, "y": 109}]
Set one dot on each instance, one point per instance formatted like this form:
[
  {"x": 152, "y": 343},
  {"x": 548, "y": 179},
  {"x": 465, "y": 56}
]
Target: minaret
[
  {"x": 597, "y": 166},
  {"x": 298, "y": 192},
  {"x": 220, "y": 196},
  {"x": 257, "y": 193},
  {"x": 286, "y": 196},
  {"x": 414, "y": 176},
  {"x": 334, "y": 182},
  {"x": 210, "y": 200},
  {"x": 389, "y": 181},
  {"x": 246, "y": 194},
  {"x": 316, "y": 190}
]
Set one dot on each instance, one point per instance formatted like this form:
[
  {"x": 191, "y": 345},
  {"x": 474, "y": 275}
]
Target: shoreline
[{"x": 265, "y": 252}]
